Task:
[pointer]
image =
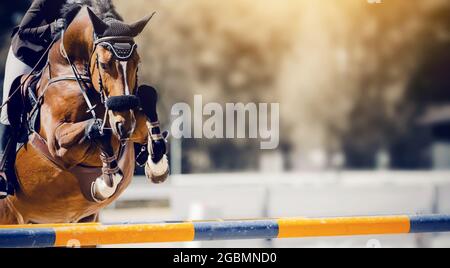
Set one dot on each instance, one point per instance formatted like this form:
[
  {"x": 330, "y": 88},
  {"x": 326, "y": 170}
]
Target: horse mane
[{"x": 104, "y": 9}]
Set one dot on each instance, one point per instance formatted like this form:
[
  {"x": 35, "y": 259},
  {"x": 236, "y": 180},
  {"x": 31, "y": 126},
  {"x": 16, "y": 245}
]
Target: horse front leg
[
  {"x": 157, "y": 165},
  {"x": 71, "y": 142},
  {"x": 106, "y": 186}
]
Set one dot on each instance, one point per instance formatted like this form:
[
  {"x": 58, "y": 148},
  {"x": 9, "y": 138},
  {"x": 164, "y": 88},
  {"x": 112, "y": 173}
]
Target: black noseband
[{"x": 122, "y": 103}]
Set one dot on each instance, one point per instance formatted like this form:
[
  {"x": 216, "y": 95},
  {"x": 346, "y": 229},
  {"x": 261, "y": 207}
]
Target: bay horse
[{"x": 82, "y": 156}]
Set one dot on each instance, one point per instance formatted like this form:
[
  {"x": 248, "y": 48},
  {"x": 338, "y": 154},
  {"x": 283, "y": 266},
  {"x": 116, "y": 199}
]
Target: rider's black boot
[{"x": 7, "y": 155}]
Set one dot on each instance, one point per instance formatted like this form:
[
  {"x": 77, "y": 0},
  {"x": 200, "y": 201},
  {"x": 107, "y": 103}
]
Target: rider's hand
[{"x": 58, "y": 26}]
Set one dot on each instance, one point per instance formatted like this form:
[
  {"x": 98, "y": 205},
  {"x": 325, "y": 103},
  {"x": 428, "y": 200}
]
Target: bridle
[{"x": 122, "y": 49}]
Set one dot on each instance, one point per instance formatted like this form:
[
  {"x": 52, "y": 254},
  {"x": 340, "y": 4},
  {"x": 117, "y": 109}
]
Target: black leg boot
[
  {"x": 149, "y": 98},
  {"x": 7, "y": 155}
]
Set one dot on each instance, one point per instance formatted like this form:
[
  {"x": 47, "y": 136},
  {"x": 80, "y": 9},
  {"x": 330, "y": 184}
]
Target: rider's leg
[{"x": 14, "y": 69}]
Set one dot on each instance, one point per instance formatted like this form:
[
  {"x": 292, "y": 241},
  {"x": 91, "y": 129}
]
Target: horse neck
[
  {"x": 75, "y": 45},
  {"x": 78, "y": 40}
]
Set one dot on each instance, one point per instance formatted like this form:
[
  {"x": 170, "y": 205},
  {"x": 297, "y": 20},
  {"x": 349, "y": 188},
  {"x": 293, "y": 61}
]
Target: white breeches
[{"x": 14, "y": 68}]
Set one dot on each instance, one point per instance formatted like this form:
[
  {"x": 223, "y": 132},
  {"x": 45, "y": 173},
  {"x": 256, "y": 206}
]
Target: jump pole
[{"x": 94, "y": 234}]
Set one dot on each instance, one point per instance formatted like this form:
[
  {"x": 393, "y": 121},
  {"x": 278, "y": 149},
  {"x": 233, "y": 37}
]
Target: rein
[
  {"x": 77, "y": 77},
  {"x": 17, "y": 90}
]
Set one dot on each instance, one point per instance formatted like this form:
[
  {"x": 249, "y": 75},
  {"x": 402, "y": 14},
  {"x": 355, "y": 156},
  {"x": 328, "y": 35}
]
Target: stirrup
[{"x": 3, "y": 187}]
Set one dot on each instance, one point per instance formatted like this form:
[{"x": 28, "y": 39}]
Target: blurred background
[{"x": 364, "y": 92}]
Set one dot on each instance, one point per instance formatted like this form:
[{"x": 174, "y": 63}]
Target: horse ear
[
  {"x": 99, "y": 26},
  {"x": 139, "y": 26}
]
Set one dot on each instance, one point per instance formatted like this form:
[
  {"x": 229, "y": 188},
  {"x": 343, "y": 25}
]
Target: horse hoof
[
  {"x": 158, "y": 173},
  {"x": 101, "y": 191}
]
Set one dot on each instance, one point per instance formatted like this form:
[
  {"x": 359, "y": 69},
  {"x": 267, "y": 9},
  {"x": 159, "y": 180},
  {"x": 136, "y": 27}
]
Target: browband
[
  {"x": 99, "y": 40},
  {"x": 121, "y": 46}
]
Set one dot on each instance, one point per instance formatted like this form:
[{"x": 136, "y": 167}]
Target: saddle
[
  {"x": 23, "y": 108},
  {"x": 21, "y": 100}
]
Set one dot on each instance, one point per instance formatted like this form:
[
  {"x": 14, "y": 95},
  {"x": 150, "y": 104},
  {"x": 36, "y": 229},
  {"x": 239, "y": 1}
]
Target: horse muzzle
[
  {"x": 121, "y": 114},
  {"x": 123, "y": 124}
]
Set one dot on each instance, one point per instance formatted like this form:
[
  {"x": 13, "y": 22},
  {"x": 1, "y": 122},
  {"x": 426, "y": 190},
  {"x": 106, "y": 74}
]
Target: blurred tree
[
  {"x": 220, "y": 50},
  {"x": 10, "y": 14},
  {"x": 341, "y": 71},
  {"x": 384, "y": 117},
  {"x": 348, "y": 78},
  {"x": 428, "y": 87}
]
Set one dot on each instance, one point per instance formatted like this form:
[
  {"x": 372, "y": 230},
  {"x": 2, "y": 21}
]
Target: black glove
[{"x": 58, "y": 26}]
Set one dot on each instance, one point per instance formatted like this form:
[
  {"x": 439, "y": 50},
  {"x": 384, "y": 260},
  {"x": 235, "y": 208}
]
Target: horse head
[
  {"x": 114, "y": 65},
  {"x": 112, "y": 61}
]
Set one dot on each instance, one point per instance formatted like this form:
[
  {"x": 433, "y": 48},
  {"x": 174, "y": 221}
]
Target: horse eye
[
  {"x": 104, "y": 65},
  {"x": 105, "y": 46}
]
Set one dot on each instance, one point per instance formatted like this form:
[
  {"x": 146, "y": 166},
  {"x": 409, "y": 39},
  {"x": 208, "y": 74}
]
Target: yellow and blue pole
[{"x": 64, "y": 235}]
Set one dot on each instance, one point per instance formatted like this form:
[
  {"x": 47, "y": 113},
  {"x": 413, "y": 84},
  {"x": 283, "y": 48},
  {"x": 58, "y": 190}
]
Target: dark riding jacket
[{"x": 36, "y": 31}]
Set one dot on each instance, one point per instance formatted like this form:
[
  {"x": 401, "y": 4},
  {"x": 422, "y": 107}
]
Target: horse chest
[{"x": 51, "y": 194}]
